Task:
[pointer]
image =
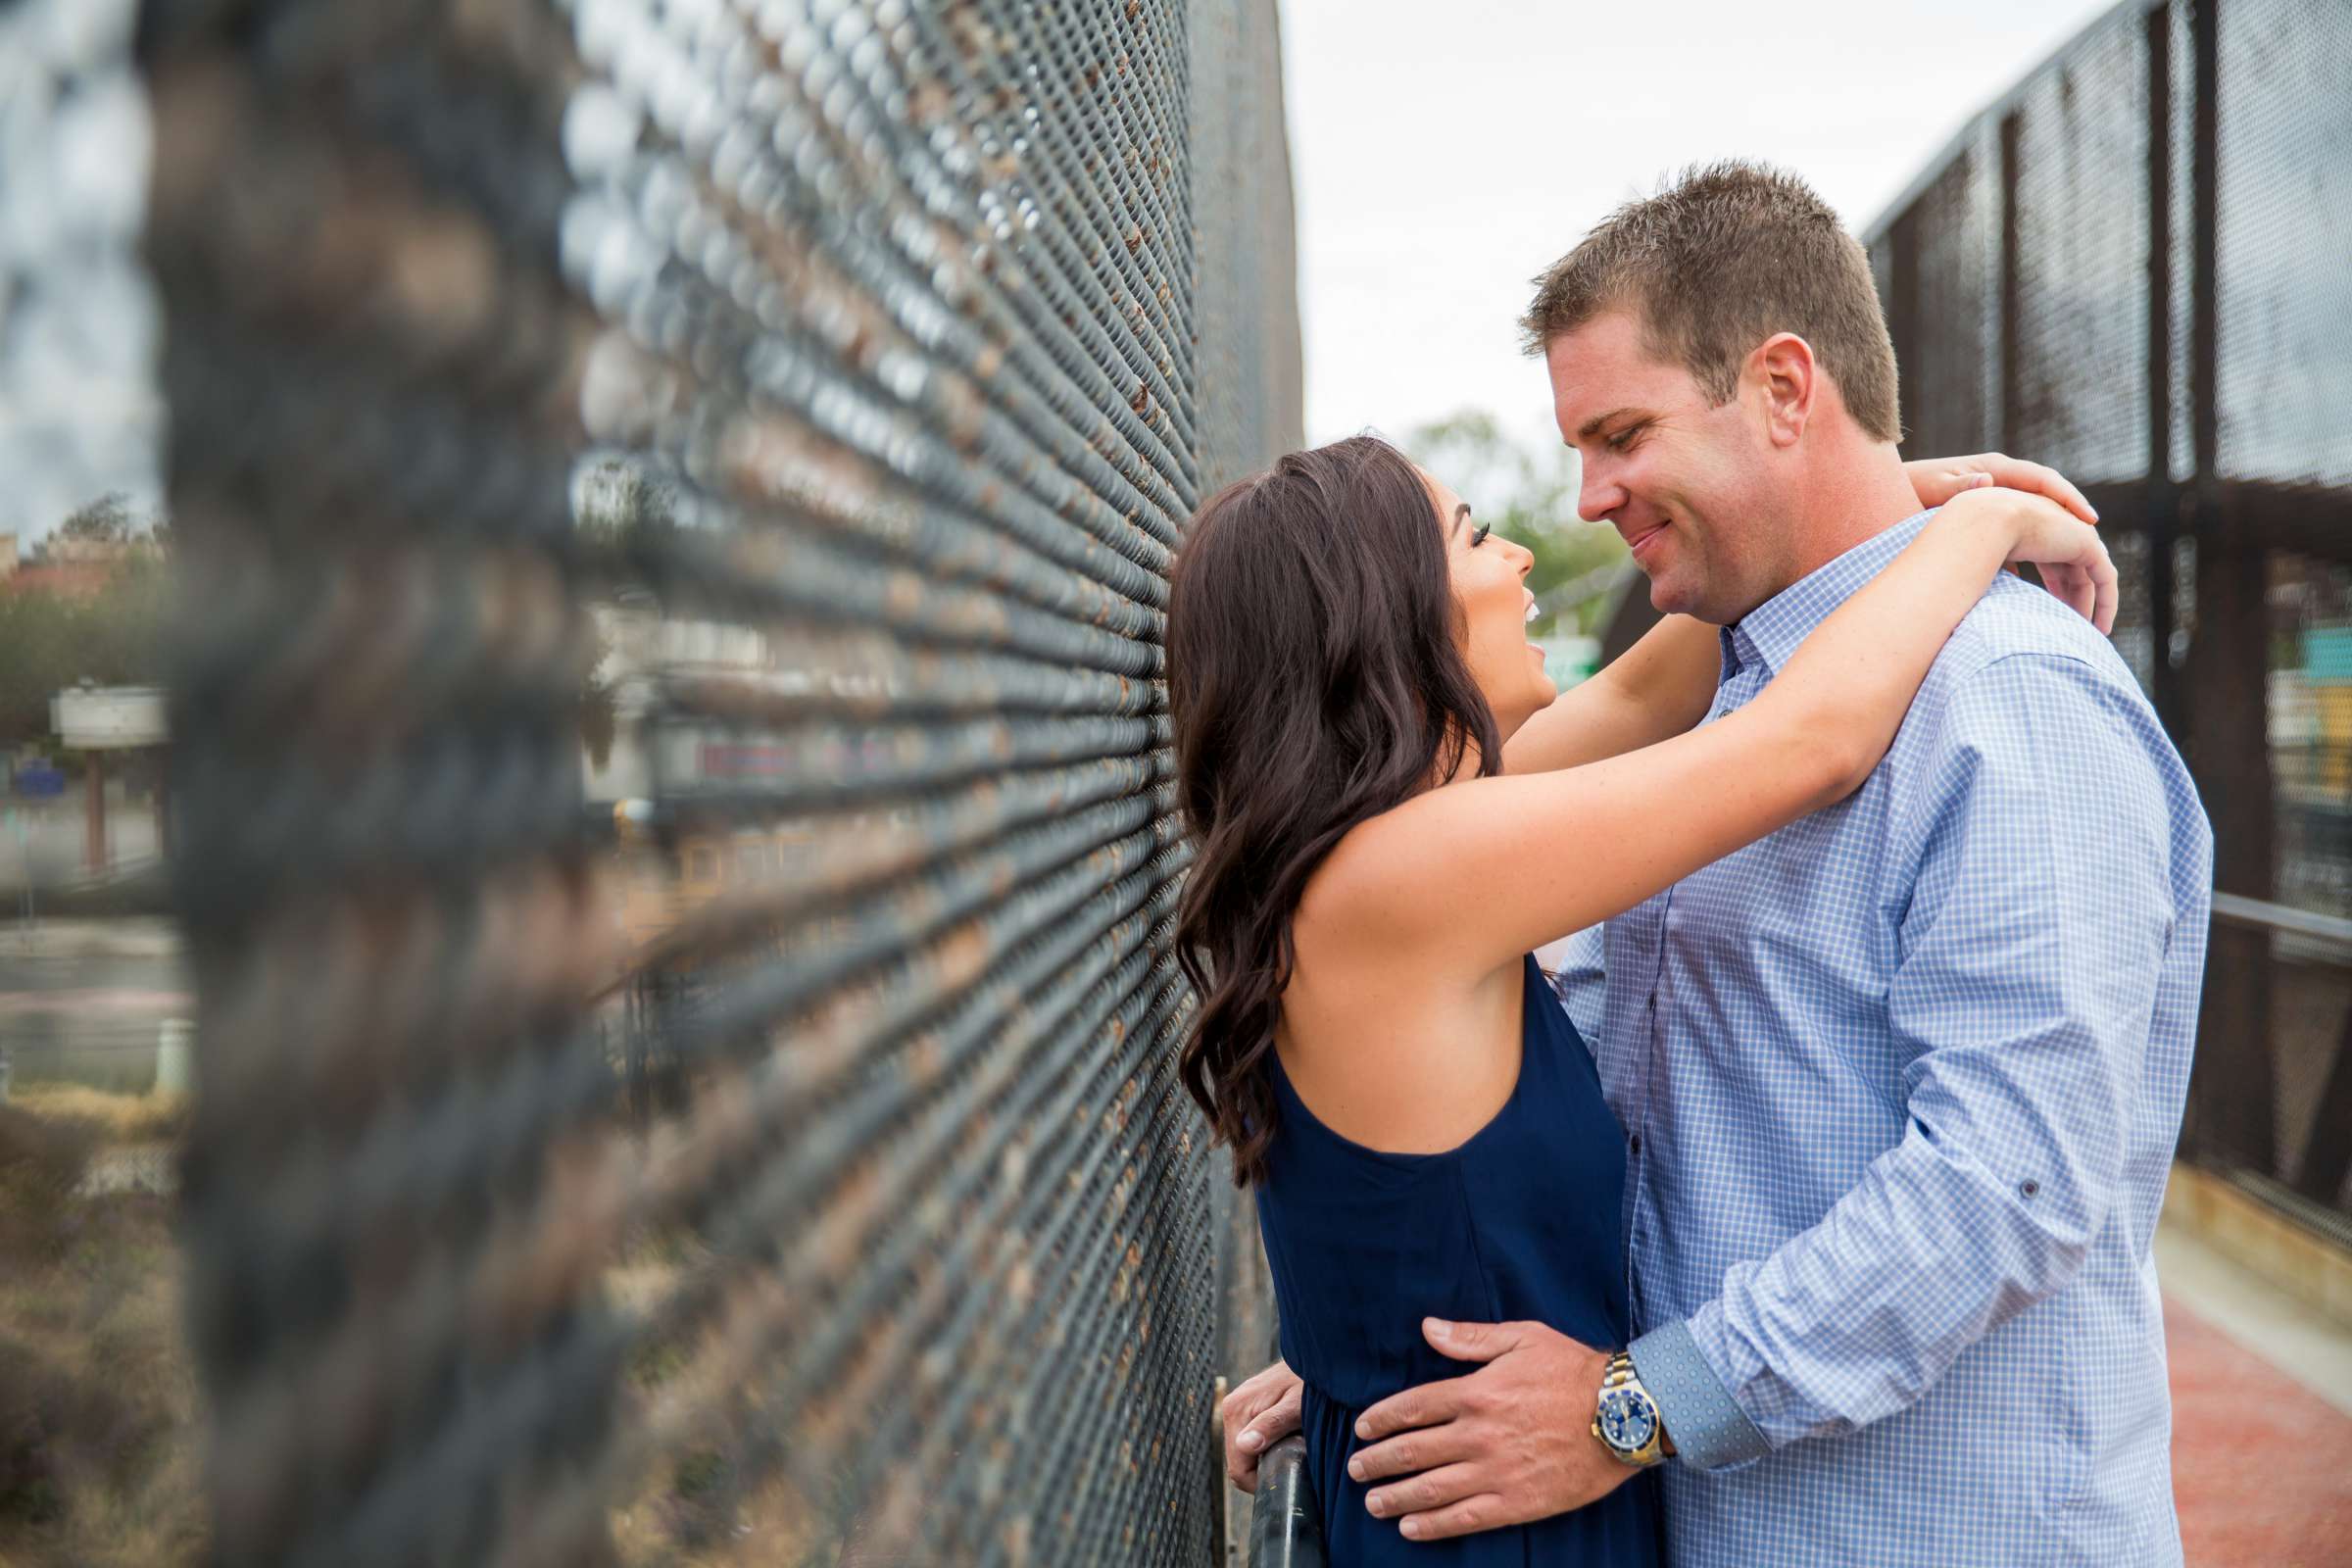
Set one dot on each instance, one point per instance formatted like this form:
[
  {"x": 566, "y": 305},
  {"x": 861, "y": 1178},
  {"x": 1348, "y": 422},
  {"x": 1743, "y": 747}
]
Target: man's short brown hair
[{"x": 1718, "y": 261}]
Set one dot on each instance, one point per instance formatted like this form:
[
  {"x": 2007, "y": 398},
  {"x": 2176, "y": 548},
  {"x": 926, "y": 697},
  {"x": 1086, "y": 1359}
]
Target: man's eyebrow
[
  {"x": 1460, "y": 512},
  {"x": 1592, "y": 427}
]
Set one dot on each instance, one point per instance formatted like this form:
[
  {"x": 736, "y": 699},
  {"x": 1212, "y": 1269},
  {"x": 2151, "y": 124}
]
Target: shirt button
[
  {"x": 2029, "y": 1188},
  {"x": 1637, "y": 1143}
]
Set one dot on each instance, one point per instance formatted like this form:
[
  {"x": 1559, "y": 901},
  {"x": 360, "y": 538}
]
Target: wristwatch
[{"x": 1626, "y": 1420}]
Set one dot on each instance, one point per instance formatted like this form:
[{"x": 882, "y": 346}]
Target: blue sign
[{"x": 37, "y": 781}]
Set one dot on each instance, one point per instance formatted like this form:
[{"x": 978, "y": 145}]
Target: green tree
[
  {"x": 38, "y": 651},
  {"x": 50, "y": 641},
  {"x": 105, "y": 520},
  {"x": 1529, "y": 495}
]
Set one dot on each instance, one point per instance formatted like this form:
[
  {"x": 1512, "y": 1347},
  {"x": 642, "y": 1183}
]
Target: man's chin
[{"x": 1677, "y": 595}]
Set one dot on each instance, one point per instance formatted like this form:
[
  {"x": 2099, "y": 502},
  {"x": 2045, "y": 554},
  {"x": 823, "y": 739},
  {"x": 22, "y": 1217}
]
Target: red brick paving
[{"x": 2261, "y": 1467}]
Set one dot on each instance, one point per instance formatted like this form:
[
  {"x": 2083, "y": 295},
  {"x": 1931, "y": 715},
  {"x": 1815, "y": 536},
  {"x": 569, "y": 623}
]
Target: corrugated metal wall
[{"x": 674, "y": 500}]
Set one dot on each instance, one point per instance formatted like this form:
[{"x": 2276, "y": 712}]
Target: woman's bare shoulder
[{"x": 1372, "y": 890}]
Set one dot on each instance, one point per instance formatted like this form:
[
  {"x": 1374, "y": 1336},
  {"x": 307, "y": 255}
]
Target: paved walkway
[
  {"x": 2262, "y": 1417},
  {"x": 43, "y": 842}
]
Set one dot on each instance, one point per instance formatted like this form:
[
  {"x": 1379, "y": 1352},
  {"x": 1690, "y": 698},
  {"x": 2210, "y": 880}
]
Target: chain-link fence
[
  {"x": 2131, "y": 268},
  {"x": 675, "y": 499}
]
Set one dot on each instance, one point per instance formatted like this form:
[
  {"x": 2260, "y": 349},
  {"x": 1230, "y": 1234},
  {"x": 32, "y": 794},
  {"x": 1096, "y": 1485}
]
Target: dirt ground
[{"x": 100, "y": 1463}]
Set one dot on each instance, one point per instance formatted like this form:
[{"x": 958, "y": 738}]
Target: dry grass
[
  {"x": 100, "y": 1465},
  {"x": 98, "y": 1462},
  {"x": 695, "y": 1507},
  {"x": 148, "y": 1118}
]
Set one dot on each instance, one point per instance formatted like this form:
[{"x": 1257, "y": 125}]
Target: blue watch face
[{"x": 1627, "y": 1419}]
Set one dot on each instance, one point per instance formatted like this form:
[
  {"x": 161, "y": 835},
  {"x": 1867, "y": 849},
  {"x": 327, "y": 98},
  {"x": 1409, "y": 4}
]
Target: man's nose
[{"x": 1598, "y": 495}]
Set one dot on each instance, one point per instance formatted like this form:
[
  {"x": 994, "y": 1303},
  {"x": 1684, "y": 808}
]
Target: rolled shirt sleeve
[{"x": 2033, "y": 836}]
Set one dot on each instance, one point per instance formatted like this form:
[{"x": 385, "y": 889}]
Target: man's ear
[{"x": 1785, "y": 378}]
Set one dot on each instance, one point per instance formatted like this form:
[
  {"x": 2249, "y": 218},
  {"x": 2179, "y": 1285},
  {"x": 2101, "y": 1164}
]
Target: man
[{"x": 1900, "y": 1083}]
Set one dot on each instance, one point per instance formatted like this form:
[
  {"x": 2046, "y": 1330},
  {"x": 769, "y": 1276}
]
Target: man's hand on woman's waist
[{"x": 1509, "y": 1443}]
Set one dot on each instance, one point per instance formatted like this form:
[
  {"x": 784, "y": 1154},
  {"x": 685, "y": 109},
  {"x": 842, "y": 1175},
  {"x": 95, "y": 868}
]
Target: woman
[{"x": 1346, "y": 661}]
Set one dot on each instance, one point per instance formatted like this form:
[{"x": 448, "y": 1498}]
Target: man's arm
[
  {"x": 2039, "y": 912},
  {"x": 2039, "y": 916}
]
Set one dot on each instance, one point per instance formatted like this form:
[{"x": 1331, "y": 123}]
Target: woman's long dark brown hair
[{"x": 1315, "y": 682}]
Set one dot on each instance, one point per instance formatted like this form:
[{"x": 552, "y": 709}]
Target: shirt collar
[{"x": 1769, "y": 634}]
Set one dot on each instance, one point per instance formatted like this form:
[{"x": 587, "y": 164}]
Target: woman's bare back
[{"x": 1392, "y": 1048}]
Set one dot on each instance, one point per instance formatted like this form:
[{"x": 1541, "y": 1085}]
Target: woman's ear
[{"x": 1785, "y": 376}]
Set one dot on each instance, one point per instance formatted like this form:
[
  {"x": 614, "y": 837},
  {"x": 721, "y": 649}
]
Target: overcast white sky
[{"x": 1445, "y": 154}]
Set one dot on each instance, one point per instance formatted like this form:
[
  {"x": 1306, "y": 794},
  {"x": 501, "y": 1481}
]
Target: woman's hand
[
  {"x": 2069, "y": 554},
  {"x": 1255, "y": 1416},
  {"x": 1937, "y": 480}
]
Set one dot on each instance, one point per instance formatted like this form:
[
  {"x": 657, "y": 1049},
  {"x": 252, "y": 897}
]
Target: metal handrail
[
  {"x": 2235, "y": 1131},
  {"x": 2327, "y": 929},
  {"x": 1283, "y": 1532}
]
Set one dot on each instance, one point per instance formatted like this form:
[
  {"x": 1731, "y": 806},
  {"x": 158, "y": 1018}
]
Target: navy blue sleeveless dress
[{"x": 1522, "y": 1222}]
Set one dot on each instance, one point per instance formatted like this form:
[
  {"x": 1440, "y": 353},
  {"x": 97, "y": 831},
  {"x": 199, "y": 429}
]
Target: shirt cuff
[{"x": 1709, "y": 1430}]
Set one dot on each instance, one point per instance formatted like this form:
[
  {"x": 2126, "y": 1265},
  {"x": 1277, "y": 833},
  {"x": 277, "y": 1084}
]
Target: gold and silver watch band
[{"x": 1620, "y": 1374}]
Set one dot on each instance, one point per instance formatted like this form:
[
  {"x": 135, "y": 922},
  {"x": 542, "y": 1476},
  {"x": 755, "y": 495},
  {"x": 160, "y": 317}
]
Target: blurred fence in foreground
[
  {"x": 2134, "y": 268},
  {"x": 674, "y": 500}
]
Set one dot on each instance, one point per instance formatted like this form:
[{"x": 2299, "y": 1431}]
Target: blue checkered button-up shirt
[{"x": 1902, "y": 1085}]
